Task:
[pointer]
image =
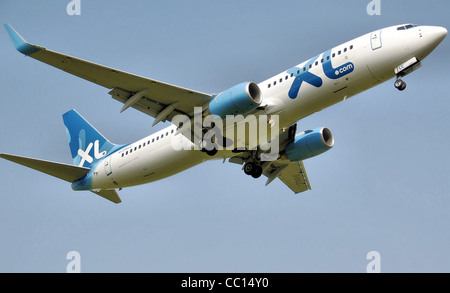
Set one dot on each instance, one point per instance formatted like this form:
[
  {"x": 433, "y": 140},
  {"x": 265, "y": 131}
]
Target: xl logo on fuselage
[
  {"x": 303, "y": 74},
  {"x": 85, "y": 157}
]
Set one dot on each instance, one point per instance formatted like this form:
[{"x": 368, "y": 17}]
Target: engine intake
[
  {"x": 309, "y": 144},
  {"x": 240, "y": 99}
]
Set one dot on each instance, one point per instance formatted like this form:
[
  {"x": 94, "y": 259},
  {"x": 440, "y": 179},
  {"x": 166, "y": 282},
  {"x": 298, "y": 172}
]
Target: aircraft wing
[
  {"x": 160, "y": 100},
  {"x": 293, "y": 174}
]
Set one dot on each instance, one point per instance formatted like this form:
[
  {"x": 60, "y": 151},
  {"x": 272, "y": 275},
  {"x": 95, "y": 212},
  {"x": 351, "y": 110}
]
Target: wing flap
[
  {"x": 293, "y": 174},
  {"x": 150, "y": 106},
  {"x": 65, "y": 172},
  {"x": 295, "y": 177}
]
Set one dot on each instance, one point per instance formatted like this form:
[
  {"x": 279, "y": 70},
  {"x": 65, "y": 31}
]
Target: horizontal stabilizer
[
  {"x": 62, "y": 171},
  {"x": 109, "y": 194}
]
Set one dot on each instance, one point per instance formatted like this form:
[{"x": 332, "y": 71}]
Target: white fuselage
[{"x": 357, "y": 66}]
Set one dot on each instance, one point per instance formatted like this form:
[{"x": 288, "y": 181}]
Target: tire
[
  {"x": 400, "y": 85},
  {"x": 257, "y": 172},
  {"x": 249, "y": 168}
]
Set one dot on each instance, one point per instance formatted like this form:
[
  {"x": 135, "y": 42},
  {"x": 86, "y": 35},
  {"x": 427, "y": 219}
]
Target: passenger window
[
  {"x": 317, "y": 62},
  {"x": 351, "y": 47},
  {"x": 123, "y": 155},
  {"x": 157, "y": 138},
  {"x": 281, "y": 79},
  {"x": 334, "y": 55},
  {"x": 153, "y": 140},
  {"x": 345, "y": 50},
  {"x": 167, "y": 133},
  {"x": 339, "y": 52},
  {"x": 135, "y": 148},
  {"x": 139, "y": 146},
  {"x": 292, "y": 74},
  {"x": 310, "y": 65},
  {"x": 298, "y": 71},
  {"x": 328, "y": 57},
  {"x": 274, "y": 83},
  {"x": 286, "y": 77},
  {"x": 268, "y": 86},
  {"x": 304, "y": 69},
  {"x": 171, "y": 131},
  {"x": 126, "y": 153}
]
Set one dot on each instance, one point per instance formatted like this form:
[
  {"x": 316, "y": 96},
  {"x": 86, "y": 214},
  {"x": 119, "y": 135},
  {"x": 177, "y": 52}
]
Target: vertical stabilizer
[{"x": 87, "y": 145}]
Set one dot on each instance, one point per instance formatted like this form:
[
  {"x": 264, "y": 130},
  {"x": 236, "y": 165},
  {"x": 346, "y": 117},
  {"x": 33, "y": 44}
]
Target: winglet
[{"x": 19, "y": 42}]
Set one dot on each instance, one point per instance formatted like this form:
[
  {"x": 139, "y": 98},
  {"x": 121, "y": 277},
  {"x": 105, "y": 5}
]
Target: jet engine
[
  {"x": 240, "y": 99},
  {"x": 309, "y": 144}
]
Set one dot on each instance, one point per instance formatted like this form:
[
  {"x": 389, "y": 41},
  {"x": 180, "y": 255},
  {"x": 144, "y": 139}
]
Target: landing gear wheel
[
  {"x": 253, "y": 170},
  {"x": 249, "y": 168},
  {"x": 400, "y": 84},
  {"x": 257, "y": 172}
]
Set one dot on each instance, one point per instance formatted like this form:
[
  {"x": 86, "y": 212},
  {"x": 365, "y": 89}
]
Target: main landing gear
[
  {"x": 400, "y": 84},
  {"x": 253, "y": 169}
]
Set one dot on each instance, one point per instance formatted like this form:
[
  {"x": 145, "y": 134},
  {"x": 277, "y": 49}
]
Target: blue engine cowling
[
  {"x": 240, "y": 99},
  {"x": 309, "y": 144}
]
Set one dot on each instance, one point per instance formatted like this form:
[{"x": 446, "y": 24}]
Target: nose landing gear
[
  {"x": 405, "y": 69},
  {"x": 400, "y": 84}
]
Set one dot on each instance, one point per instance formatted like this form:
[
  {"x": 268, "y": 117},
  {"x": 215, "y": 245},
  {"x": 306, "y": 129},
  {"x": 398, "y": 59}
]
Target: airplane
[{"x": 333, "y": 76}]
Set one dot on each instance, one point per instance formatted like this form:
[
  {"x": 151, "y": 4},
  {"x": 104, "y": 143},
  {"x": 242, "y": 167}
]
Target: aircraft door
[
  {"x": 108, "y": 169},
  {"x": 375, "y": 40}
]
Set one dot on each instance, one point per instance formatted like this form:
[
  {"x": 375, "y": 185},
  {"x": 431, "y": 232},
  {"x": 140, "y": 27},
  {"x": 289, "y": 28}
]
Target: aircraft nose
[
  {"x": 431, "y": 36},
  {"x": 436, "y": 34},
  {"x": 440, "y": 33}
]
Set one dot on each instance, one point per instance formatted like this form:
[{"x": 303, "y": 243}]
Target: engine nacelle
[
  {"x": 240, "y": 99},
  {"x": 309, "y": 144}
]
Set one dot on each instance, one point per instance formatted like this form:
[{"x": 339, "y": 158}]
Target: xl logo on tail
[{"x": 85, "y": 157}]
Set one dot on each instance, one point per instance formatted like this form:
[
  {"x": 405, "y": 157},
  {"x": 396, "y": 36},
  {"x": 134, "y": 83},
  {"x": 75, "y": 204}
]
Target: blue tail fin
[{"x": 87, "y": 145}]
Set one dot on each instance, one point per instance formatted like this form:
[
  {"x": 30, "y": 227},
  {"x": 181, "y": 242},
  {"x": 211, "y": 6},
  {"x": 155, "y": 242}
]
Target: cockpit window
[{"x": 405, "y": 27}]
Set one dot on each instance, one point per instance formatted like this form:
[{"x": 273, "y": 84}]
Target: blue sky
[{"x": 383, "y": 187}]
